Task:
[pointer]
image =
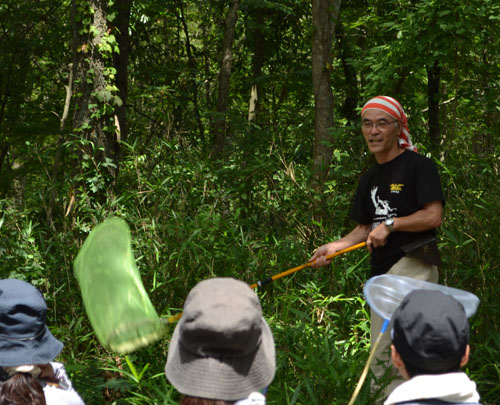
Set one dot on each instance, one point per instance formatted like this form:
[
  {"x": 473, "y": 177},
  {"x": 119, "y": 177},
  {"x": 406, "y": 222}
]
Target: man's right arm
[{"x": 357, "y": 235}]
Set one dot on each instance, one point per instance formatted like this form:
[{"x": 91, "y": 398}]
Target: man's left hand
[{"x": 378, "y": 237}]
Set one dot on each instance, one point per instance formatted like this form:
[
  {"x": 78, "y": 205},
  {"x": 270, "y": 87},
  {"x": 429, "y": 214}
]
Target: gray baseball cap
[{"x": 430, "y": 330}]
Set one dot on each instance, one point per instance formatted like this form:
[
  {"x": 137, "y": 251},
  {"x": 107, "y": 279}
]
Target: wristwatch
[{"x": 389, "y": 222}]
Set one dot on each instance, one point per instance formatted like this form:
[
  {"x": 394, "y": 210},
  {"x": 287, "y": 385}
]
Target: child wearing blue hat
[{"x": 27, "y": 350}]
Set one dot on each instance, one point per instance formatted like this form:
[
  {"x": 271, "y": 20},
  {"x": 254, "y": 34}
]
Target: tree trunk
[
  {"x": 95, "y": 105},
  {"x": 13, "y": 94},
  {"x": 433, "y": 97},
  {"x": 325, "y": 14},
  {"x": 4, "y": 148},
  {"x": 193, "y": 68},
  {"x": 351, "y": 80},
  {"x": 220, "y": 124},
  {"x": 258, "y": 46},
  {"x": 59, "y": 149},
  {"x": 484, "y": 142},
  {"x": 121, "y": 64}
]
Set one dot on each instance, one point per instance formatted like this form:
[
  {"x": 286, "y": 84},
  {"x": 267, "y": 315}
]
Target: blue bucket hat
[{"x": 24, "y": 337}]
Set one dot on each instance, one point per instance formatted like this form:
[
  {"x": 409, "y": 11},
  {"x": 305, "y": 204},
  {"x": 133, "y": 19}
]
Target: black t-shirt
[{"x": 396, "y": 189}]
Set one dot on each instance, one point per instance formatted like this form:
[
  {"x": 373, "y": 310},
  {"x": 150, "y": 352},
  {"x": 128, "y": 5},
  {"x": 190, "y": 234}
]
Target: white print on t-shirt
[{"x": 382, "y": 207}]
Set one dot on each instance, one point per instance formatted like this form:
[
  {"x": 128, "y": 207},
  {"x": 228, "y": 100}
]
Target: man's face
[{"x": 380, "y": 131}]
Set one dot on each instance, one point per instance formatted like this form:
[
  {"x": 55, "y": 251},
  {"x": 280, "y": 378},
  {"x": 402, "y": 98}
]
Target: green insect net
[{"x": 115, "y": 300}]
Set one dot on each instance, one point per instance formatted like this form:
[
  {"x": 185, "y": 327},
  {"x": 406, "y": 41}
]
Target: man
[
  {"x": 398, "y": 202},
  {"x": 430, "y": 339}
]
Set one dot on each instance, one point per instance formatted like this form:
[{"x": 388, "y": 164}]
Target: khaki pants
[{"x": 381, "y": 364}]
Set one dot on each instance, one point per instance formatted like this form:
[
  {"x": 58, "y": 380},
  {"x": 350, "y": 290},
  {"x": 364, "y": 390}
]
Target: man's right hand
[
  {"x": 357, "y": 235},
  {"x": 319, "y": 259}
]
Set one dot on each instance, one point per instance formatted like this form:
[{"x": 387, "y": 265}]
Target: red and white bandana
[{"x": 392, "y": 107}]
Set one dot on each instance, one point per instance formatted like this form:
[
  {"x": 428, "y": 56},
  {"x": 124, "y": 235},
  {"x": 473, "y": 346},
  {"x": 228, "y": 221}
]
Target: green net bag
[{"x": 115, "y": 300}]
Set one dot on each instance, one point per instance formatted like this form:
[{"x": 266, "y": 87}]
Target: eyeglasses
[{"x": 380, "y": 124}]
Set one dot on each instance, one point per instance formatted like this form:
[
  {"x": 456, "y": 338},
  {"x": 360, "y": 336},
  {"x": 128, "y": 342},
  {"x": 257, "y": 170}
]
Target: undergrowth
[{"x": 192, "y": 219}]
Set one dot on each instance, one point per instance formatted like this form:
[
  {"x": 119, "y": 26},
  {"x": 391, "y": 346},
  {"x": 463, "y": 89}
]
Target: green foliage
[
  {"x": 253, "y": 213},
  {"x": 320, "y": 340},
  {"x": 20, "y": 255}
]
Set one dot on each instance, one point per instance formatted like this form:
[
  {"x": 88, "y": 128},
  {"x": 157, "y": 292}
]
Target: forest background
[{"x": 227, "y": 135}]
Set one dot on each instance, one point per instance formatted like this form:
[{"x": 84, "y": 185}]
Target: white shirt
[
  {"x": 63, "y": 395},
  {"x": 255, "y": 398},
  {"x": 451, "y": 387}
]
